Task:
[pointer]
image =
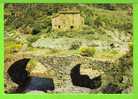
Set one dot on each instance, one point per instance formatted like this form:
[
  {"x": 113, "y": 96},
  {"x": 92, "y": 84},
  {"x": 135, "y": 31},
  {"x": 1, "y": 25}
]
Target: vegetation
[
  {"x": 105, "y": 37},
  {"x": 87, "y": 51},
  {"x": 104, "y": 24},
  {"x": 75, "y": 44}
]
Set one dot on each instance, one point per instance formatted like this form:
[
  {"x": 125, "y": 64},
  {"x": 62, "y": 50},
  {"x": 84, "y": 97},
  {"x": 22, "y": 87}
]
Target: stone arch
[
  {"x": 84, "y": 80},
  {"x": 19, "y": 75},
  {"x": 17, "y": 71}
]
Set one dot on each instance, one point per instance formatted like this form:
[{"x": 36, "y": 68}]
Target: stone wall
[
  {"x": 67, "y": 22},
  {"x": 59, "y": 67}
]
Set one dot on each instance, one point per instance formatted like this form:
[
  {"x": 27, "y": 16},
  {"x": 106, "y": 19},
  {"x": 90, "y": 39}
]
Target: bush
[
  {"x": 36, "y": 29},
  {"x": 28, "y": 20},
  {"x": 12, "y": 46},
  {"x": 130, "y": 46},
  {"x": 52, "y": 51},
  {"x": 18, "y": 22},
  {"x": 27, "y": 30},
  {"x": 32, "y": 39},
  {"x": 98, "y": 22},
  {"x": 46, "y": 23},
  {"x": 87, "y": 51},
  {"x": 114, "y": 52},
  {"x": 88, "y": 20},
  {"x": 75, "y": 45}
]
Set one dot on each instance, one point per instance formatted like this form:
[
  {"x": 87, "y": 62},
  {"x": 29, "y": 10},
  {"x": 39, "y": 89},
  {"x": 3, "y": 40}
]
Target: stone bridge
[{"x": 59, "y": 68}]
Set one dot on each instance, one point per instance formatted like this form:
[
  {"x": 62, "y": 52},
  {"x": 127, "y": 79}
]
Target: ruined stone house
[{"x": 67, "y": 21}]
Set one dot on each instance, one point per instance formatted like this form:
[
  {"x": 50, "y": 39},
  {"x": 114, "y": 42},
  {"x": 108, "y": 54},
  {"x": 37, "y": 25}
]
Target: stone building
[{"x": 67, "y": 21}]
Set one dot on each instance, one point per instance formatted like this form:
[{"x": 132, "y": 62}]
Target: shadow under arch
[
  {"x": 20, "y": 76},
  {"x": 84, "y": 80},
  {"x": 17, "y": 71}
]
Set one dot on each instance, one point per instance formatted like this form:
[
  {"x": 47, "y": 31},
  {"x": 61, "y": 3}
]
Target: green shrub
[
  {"x": 88, "y": 20},
  {"x": 88, "y": 30},
  {"x": 99, "y": 22},
  {"x": 87, "y": 51},
  {"x": 52, "y": 51},
  {"x": 75, "y": 45},
  {"x": 32, "y": 39},
  {"x": 46, "y": 23},
  {"x": 27, "y": 30},
  {"x": 18, "y": 22},
  {"x": 36, "y": 29},
  {"x": 130, "y": 46},
  {"x": 28, "y": 20},
  {"x": 114, "y": 52}
]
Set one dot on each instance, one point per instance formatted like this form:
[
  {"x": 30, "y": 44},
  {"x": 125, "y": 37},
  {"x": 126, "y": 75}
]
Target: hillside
[{"x": 106, "y": 36}]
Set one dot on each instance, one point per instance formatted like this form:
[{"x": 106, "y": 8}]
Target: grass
[
  {"x": 108, "y": 54},
  {"x": 11, "y": 46},
  {"x": 87, "y": 51}
]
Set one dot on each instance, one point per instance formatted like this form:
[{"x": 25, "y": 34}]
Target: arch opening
[
  {"x": 20, "y": 76},
  {"x": 84, "y": 80}
]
